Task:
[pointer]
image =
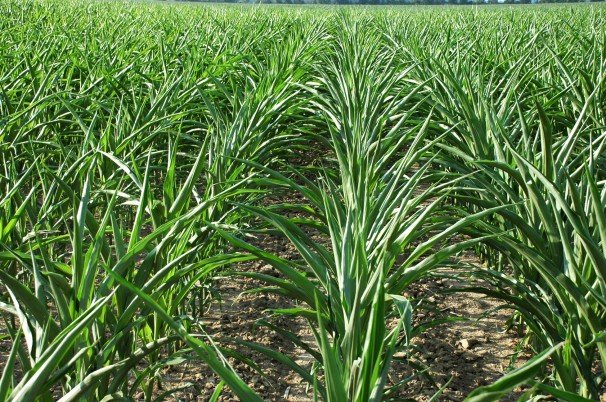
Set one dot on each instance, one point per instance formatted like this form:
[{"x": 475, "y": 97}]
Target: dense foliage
[
  {"x": 396, "y": 2},
  {"x": 139, "y": 143}
]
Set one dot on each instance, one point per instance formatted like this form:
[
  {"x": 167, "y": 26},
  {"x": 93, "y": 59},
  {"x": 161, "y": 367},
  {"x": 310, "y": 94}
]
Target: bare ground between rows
[
  {"x": 469, "y": 354},
  {"x": 463, "y": 355}
]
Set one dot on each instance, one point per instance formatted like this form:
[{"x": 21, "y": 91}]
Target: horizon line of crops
[{"x": 139, "y": 142}]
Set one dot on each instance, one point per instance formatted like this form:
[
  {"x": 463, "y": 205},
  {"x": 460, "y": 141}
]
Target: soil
[
  {"x": 461, "y": 355},
  {"x": 469, "y": 354}
]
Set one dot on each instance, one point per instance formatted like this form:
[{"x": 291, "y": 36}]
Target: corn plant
[
  {"x": 518, "y": 151},
  {"x": 369, "y": 208}
]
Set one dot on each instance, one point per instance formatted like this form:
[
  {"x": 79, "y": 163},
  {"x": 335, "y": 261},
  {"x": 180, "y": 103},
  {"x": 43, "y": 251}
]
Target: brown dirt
[{"x": 468, "y": 353}]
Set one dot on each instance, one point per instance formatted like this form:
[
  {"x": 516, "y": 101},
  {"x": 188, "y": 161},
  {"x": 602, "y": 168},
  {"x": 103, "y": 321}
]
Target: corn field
[{"x": 149, "y": 151}]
